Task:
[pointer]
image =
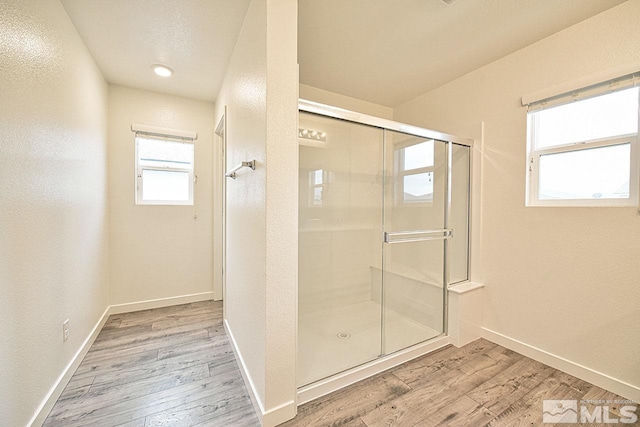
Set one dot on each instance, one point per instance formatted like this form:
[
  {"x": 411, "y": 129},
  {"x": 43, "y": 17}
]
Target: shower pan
[{"x": 383, "y": 231}]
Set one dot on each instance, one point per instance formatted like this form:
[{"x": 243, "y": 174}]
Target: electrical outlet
[{"x": 65, "y": 330}]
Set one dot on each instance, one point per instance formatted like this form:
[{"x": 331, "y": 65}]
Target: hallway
[{"x": 169, "y": 366}]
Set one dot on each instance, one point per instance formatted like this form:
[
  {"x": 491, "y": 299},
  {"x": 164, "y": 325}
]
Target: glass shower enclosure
[{"x": 383, "y": 230}]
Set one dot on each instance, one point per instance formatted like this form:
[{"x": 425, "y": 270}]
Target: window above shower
[
  {"x": 415, "y": 168},
  {"x": 582, "y": 146}
]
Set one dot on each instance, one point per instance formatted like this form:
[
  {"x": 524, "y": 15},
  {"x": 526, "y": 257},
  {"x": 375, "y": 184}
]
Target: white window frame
[
  {"x": 533, "y": 157},
  {"x": 313, "y": 185},
  {"x": 140, "y": 168},
  {"x": 402, "y": 172}
]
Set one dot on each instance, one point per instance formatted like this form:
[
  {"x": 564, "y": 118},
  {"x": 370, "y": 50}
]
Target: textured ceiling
[
  {"x": 194, "y": 37},
  {"x": 390, "y": 51},
  {"x": 383, "y": 51}
]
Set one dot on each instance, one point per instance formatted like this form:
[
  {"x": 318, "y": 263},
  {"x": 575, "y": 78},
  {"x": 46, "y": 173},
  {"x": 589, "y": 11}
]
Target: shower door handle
[{"x": 417, "y": 235}]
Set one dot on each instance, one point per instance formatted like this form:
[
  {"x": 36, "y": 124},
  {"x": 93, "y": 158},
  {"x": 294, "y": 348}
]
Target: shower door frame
[{"x": 342, "y": 379}]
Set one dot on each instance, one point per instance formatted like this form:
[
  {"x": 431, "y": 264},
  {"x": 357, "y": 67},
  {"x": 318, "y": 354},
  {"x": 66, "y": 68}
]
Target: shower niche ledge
[{"x": 465, "y": 312}]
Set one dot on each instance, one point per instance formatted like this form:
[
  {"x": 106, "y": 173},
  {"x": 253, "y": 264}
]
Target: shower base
[{"x": 338, "y": 339}]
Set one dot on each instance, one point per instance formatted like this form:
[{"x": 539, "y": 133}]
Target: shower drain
[{"x": 343, "y": 335}]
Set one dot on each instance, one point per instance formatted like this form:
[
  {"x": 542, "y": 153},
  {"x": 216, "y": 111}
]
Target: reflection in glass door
[{"x": 415, "y": 203}]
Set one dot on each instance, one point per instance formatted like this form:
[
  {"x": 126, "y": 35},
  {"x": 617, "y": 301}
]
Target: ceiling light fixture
[{"x": 162, "y": 70}]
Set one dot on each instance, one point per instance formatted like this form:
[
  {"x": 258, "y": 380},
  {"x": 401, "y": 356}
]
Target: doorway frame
[{"x": 220, "y": 209}]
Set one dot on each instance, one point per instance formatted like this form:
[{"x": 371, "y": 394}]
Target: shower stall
[{"x": 383, "y": 231}]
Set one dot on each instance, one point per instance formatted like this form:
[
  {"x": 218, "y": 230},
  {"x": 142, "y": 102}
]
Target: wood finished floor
[
  {"x": 174, "y": 367},
  {"x": 170, "y": 366},
  {"x": 480, "y": 384}
]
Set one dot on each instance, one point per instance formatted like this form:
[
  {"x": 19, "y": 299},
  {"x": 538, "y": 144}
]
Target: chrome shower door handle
[{"x": 417, "y": 235}]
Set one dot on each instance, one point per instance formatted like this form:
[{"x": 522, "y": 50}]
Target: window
[
  {"x": 582, "y": 148},
  {"x": 415, "y": 166},
  {"x": 317, "y": 184},
  {"x": 164, "y": 171}
]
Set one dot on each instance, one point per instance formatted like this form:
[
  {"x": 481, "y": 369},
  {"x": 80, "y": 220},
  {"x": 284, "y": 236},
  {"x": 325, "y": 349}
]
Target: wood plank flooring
[
  {"x": 480, "y": 384},
  {"x": 174, "y": 367},
  {"x": 170, "y": 366}
]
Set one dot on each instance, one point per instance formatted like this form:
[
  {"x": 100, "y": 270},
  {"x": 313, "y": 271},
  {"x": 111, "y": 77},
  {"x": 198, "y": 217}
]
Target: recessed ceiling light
[{"x": 162, "y": 70}]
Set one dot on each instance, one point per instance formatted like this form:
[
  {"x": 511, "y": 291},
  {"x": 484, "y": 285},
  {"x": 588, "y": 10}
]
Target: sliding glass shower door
[
  {"x": 375, "y": 222},
  {"x": 340, "y": 246},
  {"x": 415, "y": 202}
]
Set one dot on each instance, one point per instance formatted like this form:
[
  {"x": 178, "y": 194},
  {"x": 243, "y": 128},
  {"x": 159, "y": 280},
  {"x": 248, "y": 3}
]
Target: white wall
[
  {"x": 53, "y": 213},
  {"x": 282, "y": 209},
  {"x": 322, "y": 96},
  {"x": 260, "y": 92},
  {"x": 563, "y": 280},
  {"x": 244, "y": 94},
  {"x": 158, "y": 251}
]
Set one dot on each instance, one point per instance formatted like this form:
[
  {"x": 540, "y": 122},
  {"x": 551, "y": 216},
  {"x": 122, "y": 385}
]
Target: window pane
[
  {"x": 316, "y": 177},
  {"x": 317, "y": 196},
  {"x": 155, "y": 152},
  {"x": 596, "y": 173},
  {"x": 170, "y": 186},
  {"x": 604, "y": 116},
  {"x": 418, "y": 155},
  {"x": 418, "y": 187}
]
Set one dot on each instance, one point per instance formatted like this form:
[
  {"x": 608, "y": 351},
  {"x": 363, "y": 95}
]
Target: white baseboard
[
  {"x": 58, "y": 387},
  {"x": 278, "y": 415},
  {"x": 52, "y": 397},
  {"x": 160, "y": 302},
  {"x": 273, "y": 416},
  {"x": 251, "y": 388},
  {"x": 626, "y": 390}
]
